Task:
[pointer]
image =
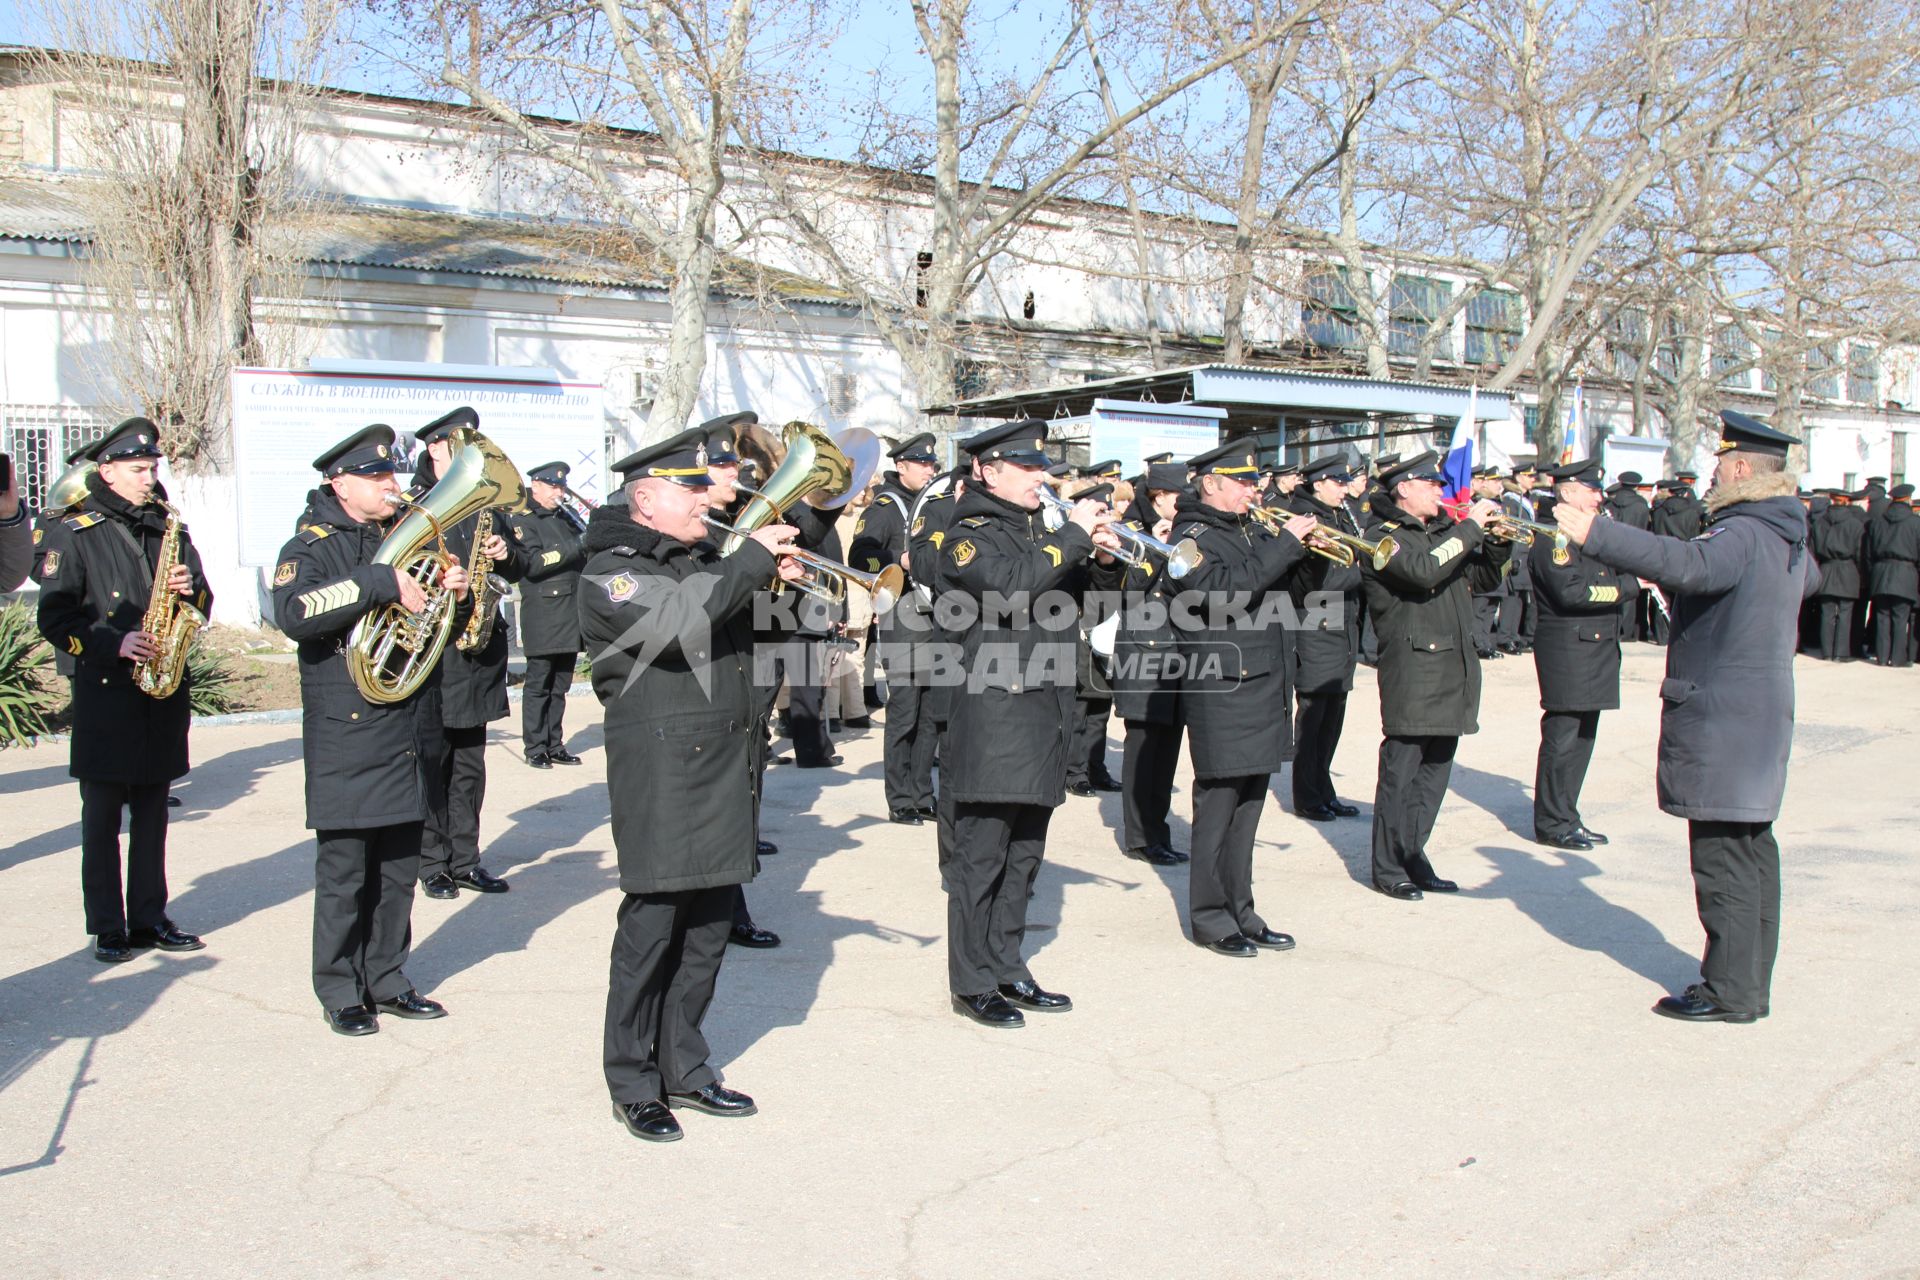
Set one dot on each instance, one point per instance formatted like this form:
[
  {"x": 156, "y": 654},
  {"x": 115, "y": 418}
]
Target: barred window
[
  {"x": 1493, "y": 326},
  {"x": 1329, "y": 315},
  {"x": 1825, "y": 385},
  {"x": 1414, "y": 303},
  {"x": 1863, "y": 374},
  {"x": 1627, "y": 340},
  {"x": 1732, "y": 357}
]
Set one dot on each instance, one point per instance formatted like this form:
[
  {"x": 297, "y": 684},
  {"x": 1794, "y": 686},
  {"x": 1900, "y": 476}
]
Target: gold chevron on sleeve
[{"x": 326, "y": 599}]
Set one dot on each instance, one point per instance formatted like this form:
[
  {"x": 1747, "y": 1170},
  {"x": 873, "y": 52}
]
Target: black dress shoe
[
  {"x": 826, "y": 762},
  {"x": 173, "y": 802},
  {"x": 715, "y": 1100},
  {"x": 354, "y": 1020},
  {"x": 1028, "y": 995},
  {"x": 871, "y": 697},
  {"x": 1317, "y": 813},
  {"x": 648, "y": 1121},
  {"x": 1158, "y": 855},
  {"x": 1105, "y": 784},
  {"x": 989, "y": 1009},
  {"x": 166, "y": 937},
  {"x": 1081, "y": 789},
  {"x": 1271, "y": 939},
  {"x": 1405, "y": 890},
  {"x": 1234, "y": 944},
  {"x": 1434, "y": 884},
  {"x": 752, "y": 935},
  {"x": 480, "y": 880},
  {"x": 539, "y": 760},
  {"x": 860, "y": 722},
  {"x": 1345, "y": 810},
  {"x": 834, "y": 726},
  {"x": 1572, "y": 840},
  {"x": 1693, "y": 1005},
  {"x": 765, "y": 848},
  {"x": 412, "y": 1005},
  {"x": 1177, "y": 855},
  {"x": 113, "y": 947},
  {"x": 564, "y": 756},
  {"x": 440, "y": 885},
  {"x": 1593, "y": 835},
  {"x": 930, "y": 814},
  {"x": 905, "y": 817}
]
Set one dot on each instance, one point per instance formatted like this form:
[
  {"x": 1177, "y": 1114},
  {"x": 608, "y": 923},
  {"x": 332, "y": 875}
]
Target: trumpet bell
[
  {"x": 70, "y": 488},
  {"x": 861, "y": 448},
  {"x": 887, "y": 587},
  {"x": 1185, "y": 558}
]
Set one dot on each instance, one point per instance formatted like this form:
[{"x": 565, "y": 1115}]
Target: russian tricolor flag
[{"x": 1457, "y": 470}]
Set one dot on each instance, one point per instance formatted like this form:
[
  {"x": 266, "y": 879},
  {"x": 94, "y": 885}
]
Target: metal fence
[{"x": 40, "y": 436}]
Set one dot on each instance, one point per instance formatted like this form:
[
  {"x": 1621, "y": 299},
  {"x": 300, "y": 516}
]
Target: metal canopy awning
[{"x": 1298, "y": 406}]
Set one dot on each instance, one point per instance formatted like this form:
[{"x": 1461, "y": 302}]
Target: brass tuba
[
  {"x": 391, "y": 652},
  {"x": 170, "y": 620},
  {"x": 71, "y": 487}
]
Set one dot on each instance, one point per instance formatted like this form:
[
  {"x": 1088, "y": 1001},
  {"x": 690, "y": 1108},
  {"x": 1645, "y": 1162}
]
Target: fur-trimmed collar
[{"x": 1775, "y": 484}]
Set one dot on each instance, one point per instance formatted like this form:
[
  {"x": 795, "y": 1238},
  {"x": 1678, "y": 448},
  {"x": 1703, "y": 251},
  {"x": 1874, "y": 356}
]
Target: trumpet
[
  {"x": 827, "y": 579},
  {"x": 1521, "y": 533},
  {"x": 1135, "y": 545},
  {"x": 1337, "y": 545}
]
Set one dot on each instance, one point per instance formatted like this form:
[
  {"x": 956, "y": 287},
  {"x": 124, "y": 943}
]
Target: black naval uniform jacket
[
  {"x": 95, "y": 570},
  {"x": 1235, "y": 693},
  {"x": 924, "y": 538},
  {"x": 880, "y": 538},
  {"x": 367, "y": 764},
  {"x": 1422, "y": 608},
  {"x": 1838, "y": 541},
  {"x": 658, "y": 616},
  {"x": 1679, "y": 515},
  {"x": 1893, "y": 548},
  {"x": 1323, "y": 655},
  {"x": 1146, "y": 646},
  {"x": 473, "y": 686},
  {"x": 549, "y": 619},
  {"x": 1576, "y": 642},
  {"x": 1010, "y": 720}
]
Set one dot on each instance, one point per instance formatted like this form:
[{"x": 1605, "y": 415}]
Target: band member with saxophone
[
  {"x": 1146, "y": 676},
  {"x": 1234, "y": 690},
  {"x": 549, "y": 621},
  {"x": 1007, "y": 725},
  {"x": 369, "y": 765},
  {"x": 904, "y": 636},
  {"x": 1576, "y": 656},
  {"x": 96, "y": 572},
  {"x": 1323, "y": 649},
  {"x": 669, "y": 625},
  {"x": 1422, "y": 606},
  {"x": 473, "y": 680}
]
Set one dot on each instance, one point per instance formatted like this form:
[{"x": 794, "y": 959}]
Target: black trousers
[
  {"x": 1513, "y": 611},
  {"x": 1486, "y": 611},
  {"x": 543, "y": 701},
  {"x": 1736, "y": 885},
  {"x": 1087, "y": 751},
  {"x": 803, "y": 664},
  {"x": 1836, "y": 628},
  {"x": 451, "y": 842},
  {"x": 1146, "y": 782},
  {"x": 1317, "y": 727},
  {"x": 363, "y": 912},
  {"x": 988, "y": 874},
  {"x": 667, "y": 949},
  {"x": 1406, "y": 803},
  {"x": 910, "y": 735},
  {"x": 1893, "y": 631},
  {"x": 145, "y": 903},
  {"x": 1226, "y": 815},
  {"x": 1566, "y": 749},
  {"x": 1659, "y": 626}
]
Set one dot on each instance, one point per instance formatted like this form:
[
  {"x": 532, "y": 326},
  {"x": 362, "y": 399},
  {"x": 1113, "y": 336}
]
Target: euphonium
[
  {"x": 391, "y": 652},
  {"x": 806, "y": 463},
  {"x": 170, "y": 619},
  {"x": 70, "y": 488}
]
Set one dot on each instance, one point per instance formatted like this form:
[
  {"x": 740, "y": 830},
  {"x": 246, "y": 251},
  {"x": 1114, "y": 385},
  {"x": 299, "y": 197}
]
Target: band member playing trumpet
[
  {"x": 1234, "y": 691},
  {"x": 1324, "y": 648},
  {"x": 369, "y": 765},
  {"x": 473, "y": 682},
  {"x": 96, "y": 572},
  {"x": 1421, "y": 601},
  {"x": 669, "y": 625},
  {"x": 549, "y": 621}
]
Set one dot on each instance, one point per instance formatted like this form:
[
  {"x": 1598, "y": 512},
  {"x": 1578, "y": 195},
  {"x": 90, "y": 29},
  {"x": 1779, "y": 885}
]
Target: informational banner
[
  {"x": 1133, "y": 430},
  {"x": 284, "y": 418},
  {"x": 1644, "y": 454}
]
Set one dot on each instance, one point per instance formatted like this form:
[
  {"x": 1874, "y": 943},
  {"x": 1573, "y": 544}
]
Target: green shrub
[
  {"x": 214, "y": 689},
  {"x": 25, "y": 659}
]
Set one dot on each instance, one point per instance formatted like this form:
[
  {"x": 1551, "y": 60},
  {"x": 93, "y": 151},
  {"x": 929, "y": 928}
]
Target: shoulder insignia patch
[
  {"x": 519, "y": 534},
  {"x": 963, "y": 553},
  {"x": 51, "y": 565},
  {"x": 1193, "y": 531},
  {"x": 861, "y": 527},
  {"x": 74, "y": 646},
  {"x": 974, "y": 522},
  {"x": 1561, "y": 555},
  {"x": 1603, "y": 595},
  {"x": 284, "y": 574},
  {"x": 1146, "y": 568},
  {"x": 38, "y": 534},
  {"x": 622, "y": 587},
  {"x": 85, "y": 520},
  {"x": 886, "y": 497},
  {"x": 312, "y": 533},
  {"x": 919, "y": 523},
  {"x": 1053, "y": 553},
  {"x": 1389, "y": 524}
]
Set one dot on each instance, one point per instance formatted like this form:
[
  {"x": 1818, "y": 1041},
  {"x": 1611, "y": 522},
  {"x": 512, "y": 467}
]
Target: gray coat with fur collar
[{"x": 1726, "y": 723}]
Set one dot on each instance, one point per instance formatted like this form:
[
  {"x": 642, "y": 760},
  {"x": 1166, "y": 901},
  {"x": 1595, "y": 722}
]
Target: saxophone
[
  {"x": 488, "y": 588},
  {"x": 170, "y": 620}
]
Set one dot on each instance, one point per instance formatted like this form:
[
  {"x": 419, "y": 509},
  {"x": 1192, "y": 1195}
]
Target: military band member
[
  {"x": 1323, "y": 648},
  {"x": 1007, "y": 728},
  {"x": 549, "y": 621},
  {"x": 95, "y": 571},
  {"x": 1837, "y": 539},
  {"x": 1576, "y": 658},
  {"x": 1422, "y": 607},
  {"x": 473, "y": 689},
  {"x": 369, "y": 766},
  {"x": 1146, "y": 679},
  {"x": 1893, "y": 581},
  {"x": 1234, "y": 691},
  {"x": 1726, "y": 717},
  {"x": 905, "y": 635},
  {"x": 668, "y": 624},
  {"x": 1087, "y": 772}
]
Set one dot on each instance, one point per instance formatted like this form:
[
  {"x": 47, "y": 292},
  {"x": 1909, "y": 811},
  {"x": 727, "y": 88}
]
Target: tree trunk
[{"x": 1246, "y": 212}]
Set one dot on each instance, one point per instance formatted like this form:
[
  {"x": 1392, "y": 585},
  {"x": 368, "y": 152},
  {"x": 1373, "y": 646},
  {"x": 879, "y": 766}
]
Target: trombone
[
  {"x": 1521, "y": 533},
  {"x": 1337, "y": 545},
  {"x": 1135, "y": 546},
  {"x": 827, "y": 579},
  {"x": 576, "y": 509}
]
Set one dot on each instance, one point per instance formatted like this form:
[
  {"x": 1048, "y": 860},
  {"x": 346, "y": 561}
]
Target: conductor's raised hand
[{"x": 1576, "y": 524}]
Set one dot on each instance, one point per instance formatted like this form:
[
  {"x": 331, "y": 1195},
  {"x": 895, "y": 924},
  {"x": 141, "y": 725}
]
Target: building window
[
  {"x": 1329, "y": 315},
  {"x": 1493, "y": 326},
  {"x": 1626, "y": 340},
  {"x": 1415, "y": 302},
  {"x": 1732, "y": 357},
  {"x": 843, "y": 392},
  {"x": 969, "y": 378},
  {"x": 1026, "y": 306},
  {"x": 1531, "y": 430},
  {"x": 1824, "y": 385},
  {"x": 922, "y": 263},
  {"x": 1863, "y": 374}
]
